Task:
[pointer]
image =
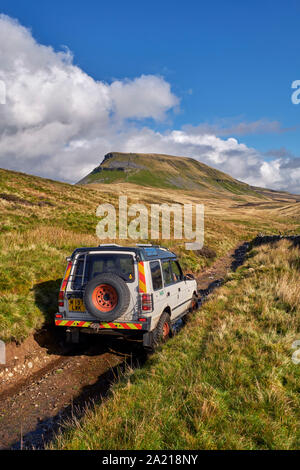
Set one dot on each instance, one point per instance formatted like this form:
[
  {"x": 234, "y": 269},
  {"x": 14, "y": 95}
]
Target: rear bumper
[{"x": 129, "y": 326}]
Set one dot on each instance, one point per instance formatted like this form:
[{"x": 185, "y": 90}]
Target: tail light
[
  {"x": 147, "y": 304},
  {"x": 61, "y": 298}
]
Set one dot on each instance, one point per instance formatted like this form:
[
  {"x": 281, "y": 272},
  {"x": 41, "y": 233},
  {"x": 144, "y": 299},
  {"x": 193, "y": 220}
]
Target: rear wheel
[
  {"x": 162, "y": 332},
  {"x": 72, "y": 336},
  {"x": 194, "y": 304},
  {"x": 193, "y": 308}
]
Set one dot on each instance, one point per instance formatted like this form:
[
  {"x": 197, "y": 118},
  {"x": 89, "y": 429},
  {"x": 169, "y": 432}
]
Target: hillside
[
  {"x": 42, "y": 221},
  {"x": 167, "y": 171}
]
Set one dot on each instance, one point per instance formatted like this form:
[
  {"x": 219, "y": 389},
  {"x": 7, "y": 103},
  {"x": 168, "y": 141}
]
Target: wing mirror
[{"x": 189, "y": 276}]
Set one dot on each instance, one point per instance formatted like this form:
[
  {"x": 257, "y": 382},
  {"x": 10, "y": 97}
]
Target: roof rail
[
  {"x": 147, "y": 244},
  {"x": 109, "y": 244}
]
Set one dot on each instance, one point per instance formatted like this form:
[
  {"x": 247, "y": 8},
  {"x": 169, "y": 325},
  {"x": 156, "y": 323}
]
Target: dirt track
[
  {"x": 50, "y": 383},
  {"x": 32, "y": 412}
]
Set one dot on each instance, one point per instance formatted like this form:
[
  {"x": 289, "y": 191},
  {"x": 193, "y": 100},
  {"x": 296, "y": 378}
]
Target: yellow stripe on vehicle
[
  {"x": 66, "y": 277},
  {"x": 104, "y": 325},
  {"x": 142, "y": 287},
  {"x": 142, "y": 278},
  {"x": 112, "y": 325}
]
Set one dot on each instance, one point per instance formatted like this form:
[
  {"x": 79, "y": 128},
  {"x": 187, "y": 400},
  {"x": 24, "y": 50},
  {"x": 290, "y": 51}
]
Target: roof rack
[{"x": 144, "y": 251}]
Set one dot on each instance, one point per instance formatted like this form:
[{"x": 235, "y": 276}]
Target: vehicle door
[
  {"x": 182, "y": 288},
  {"x": 159, "y": 298},
  {"x": 171, "y": 289}
]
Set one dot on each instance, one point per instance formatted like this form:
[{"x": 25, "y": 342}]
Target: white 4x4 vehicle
[{"x": 120, "y": 290}]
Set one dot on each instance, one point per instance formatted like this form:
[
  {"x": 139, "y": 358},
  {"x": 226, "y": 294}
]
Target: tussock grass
[{"x": 226, "y": 381}]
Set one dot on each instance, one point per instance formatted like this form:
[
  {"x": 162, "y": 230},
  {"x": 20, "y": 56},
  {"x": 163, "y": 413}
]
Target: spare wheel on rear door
[{"x": 106, "y": 296}]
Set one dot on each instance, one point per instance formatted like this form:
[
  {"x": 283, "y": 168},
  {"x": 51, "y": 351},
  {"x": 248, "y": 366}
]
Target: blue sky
[{"x": 227, "y": 62}]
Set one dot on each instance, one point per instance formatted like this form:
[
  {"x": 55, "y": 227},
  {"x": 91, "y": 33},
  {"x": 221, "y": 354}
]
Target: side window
[
  {"x": 167, "y": 273},
  {"x": 176, "y": 271},
  {"x": 156, "y": 275}
]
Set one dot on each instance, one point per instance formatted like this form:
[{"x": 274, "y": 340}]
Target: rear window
[
  {"x": 156, "y": 275},
  {"x": 120, "y": 264}
]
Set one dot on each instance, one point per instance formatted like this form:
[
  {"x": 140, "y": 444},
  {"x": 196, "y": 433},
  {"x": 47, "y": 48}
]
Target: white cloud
[
  {"x": 145, "y": 96},
  {"x": 52, "y": 105},
  {"x": 59, "y": 122}
]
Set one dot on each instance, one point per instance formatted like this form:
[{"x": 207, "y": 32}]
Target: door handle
[
  {"x": 179, "y": 289},
  {"x": 168, "y": 294}
]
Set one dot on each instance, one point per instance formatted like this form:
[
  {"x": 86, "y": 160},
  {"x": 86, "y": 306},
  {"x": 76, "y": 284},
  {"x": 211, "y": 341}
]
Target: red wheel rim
[
  {"x": 166, "y": 330},
  {"x": 105, "y": 297}
]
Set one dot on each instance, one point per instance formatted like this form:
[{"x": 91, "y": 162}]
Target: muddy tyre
[
  {"x": 73, "y": 336},
  {"x": 194, "y": 304},
  {"x": 162, "y": 332},
  {"x": 193, "y": 308},
  {"x": 106, "y": 296}
]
